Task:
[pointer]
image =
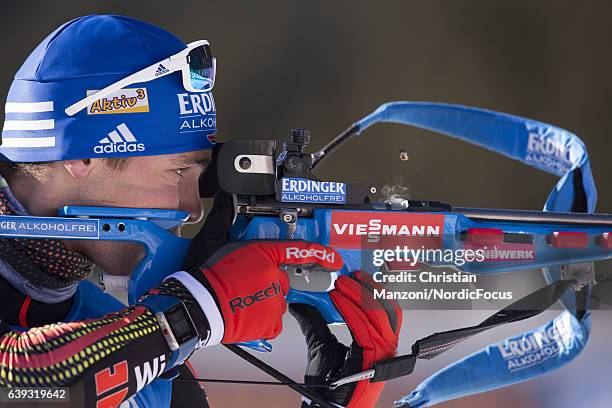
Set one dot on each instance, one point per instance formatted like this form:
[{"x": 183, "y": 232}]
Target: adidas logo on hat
[
  {"x": 120, "y": 140},
  {"x": 161, "y": 70}
]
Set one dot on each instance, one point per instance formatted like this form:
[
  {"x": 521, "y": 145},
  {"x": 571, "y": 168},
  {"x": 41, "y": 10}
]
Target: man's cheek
[{"x": 148, "y": 198}]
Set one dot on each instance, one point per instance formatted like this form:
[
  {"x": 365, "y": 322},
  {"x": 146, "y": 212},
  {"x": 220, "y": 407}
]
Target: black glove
[{"x": 328, "y": 359}]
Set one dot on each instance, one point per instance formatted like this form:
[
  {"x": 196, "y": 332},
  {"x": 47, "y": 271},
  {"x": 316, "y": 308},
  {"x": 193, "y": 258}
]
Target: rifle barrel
[{"x": 540, "y": 217}]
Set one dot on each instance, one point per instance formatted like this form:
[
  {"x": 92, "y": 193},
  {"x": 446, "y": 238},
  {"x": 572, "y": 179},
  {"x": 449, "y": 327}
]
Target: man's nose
[
  {"x": 191, "y": 202},
  {"x": 195, "y": 208}
]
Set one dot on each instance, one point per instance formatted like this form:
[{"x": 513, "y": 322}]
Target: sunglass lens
[{"x": 201, "y": 68}]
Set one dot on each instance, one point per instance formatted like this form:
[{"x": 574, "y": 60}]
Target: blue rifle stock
[{"x": 164, "y": 251}]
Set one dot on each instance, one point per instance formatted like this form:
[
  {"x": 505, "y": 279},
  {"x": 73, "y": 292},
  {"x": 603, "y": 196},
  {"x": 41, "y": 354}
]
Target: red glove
[
  {"x": 374, "y": 326},
  {"x": 241, "y": 288}
]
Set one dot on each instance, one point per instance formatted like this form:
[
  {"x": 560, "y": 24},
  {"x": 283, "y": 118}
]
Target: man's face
[{"x": 163, "y": 182}]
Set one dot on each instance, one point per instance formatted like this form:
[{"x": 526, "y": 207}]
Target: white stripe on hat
[
  {"x": 115, "y": 137},
  {"x": 125, "y": 132},
  {"x": 45, "y": 124},
  {"x": 28, "y": 107},
  {"x": 28, "y": 142}
]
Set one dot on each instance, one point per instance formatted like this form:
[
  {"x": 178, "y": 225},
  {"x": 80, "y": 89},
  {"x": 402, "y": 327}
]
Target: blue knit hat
[{"x": 88, "y": 54}]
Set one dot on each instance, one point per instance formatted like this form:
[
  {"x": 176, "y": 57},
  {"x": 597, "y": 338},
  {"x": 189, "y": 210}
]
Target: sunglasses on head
[{"x": 196, "y": 63}]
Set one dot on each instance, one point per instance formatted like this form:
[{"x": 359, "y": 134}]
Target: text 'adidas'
[{"x": 120, "y": 140}]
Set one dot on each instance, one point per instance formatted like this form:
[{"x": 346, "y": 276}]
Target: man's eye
[{"x": 180, "y": 172}]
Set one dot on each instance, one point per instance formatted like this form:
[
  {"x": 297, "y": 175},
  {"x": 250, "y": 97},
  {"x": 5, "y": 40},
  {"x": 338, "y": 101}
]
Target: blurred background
[{"x": 322, "y": 65}]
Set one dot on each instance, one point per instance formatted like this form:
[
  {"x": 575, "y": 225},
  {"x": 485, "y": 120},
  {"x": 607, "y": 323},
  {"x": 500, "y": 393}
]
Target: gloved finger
[
  {"x": 303, "y": 253},
  {"x": 375, "y": 346},
  {"x": 313, "y": 326},
  {"x": 249, "y": 257},
  {"x": 357, "y": 296},
  {"x": 391, "y": 307}
]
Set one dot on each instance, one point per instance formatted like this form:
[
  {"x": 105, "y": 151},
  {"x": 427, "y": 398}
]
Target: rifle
[{"x": 279, "y": 197}]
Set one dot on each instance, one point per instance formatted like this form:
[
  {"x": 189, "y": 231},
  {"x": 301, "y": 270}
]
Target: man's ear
[{"x": 78, "y": 168}]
